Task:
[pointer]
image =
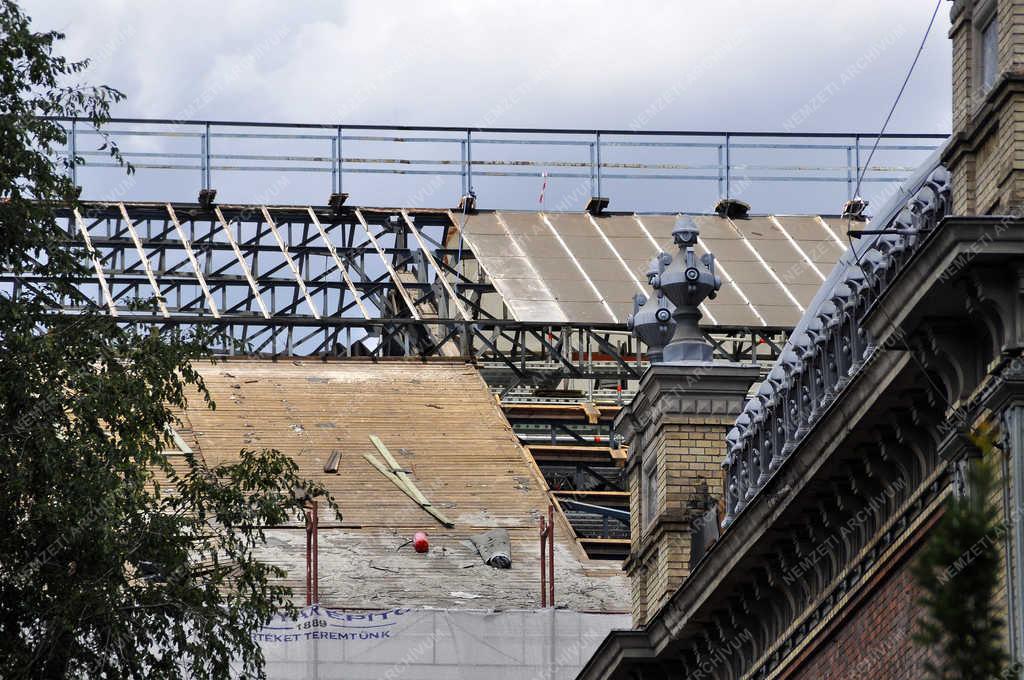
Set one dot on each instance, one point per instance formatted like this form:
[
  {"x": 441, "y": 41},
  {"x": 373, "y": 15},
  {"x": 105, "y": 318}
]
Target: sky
[{"x": 807, "y": 66}]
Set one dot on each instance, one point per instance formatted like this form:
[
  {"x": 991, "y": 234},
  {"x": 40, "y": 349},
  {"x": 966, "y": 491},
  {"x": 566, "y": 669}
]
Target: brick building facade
[{"x": 837, "y": 466}]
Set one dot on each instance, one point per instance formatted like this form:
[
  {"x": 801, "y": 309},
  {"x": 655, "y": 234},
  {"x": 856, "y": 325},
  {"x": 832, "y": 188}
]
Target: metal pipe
[
  {"x": 543, "y": 572},
  {"x": 309, "y": 561},
  {"x": 316, "y": 553},
  {"x": 551, "y": 555},
  {"x": 466, "y": 129}
]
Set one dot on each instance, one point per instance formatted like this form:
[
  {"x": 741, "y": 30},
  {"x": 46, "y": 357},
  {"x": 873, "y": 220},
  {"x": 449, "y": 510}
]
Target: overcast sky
[{"x": 729, "y": 64}]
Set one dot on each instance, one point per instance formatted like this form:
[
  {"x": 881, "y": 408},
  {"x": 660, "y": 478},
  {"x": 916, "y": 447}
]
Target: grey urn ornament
[
  {"x": 651, "y": 320},
  {"x": 687, "y": 282}
]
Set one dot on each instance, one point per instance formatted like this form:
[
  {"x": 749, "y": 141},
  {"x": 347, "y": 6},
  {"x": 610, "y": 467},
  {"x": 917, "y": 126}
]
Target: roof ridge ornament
[
  {"x": 687, "y": 282},
  {"x": 651, "y": 320}
]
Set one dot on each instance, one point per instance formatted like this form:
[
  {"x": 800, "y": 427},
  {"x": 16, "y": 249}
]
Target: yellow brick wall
[
  {"x": 689, "y": 452},
  {"x": 989, "y": 177},
  {"x": 963, "y": 39}
]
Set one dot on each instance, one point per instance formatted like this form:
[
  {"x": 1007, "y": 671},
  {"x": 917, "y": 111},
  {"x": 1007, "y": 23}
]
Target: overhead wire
[{"x": 860, "y": 178}]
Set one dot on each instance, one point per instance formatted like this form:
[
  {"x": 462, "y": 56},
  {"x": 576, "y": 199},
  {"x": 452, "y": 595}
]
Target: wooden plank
[
  {"x": 339, "y": 264},
  {"x": 593, "y": 413},
  {"x": 241, "y": 262},
  {"x": 192, "y": 259},
  {"x": 179, "y": 442},
  {"x": 387, "y": 265},
  {"x": 399, "y": 471},
  {"x": 602, "y": 494},
  {"x": 430, "y": 258},
  {"x": 556, "y": 453},
  {"x": 290, "y": 262},
  {"x": 145, "y": 261},
  {"x": 608, "y": 499},
  {"x": 95, "y": 263},
  {"x": 569, "y": 411},
  {"x": 331, "y": 466}
]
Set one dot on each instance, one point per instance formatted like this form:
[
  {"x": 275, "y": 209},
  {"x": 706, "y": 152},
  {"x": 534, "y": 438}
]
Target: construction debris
[
  {"x": 400, "y": 478},
  {"x": 495, "y": 548},
  {"x": 331, "y": 466}
]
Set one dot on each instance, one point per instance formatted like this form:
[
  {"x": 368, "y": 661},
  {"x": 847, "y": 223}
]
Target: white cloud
[{"x": 565, "y": 64}]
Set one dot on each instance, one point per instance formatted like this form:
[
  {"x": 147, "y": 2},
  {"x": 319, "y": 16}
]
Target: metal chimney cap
[{"x": 685, "y": 232}]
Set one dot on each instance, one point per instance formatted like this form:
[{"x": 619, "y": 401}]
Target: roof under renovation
[
  {"x": 441, "y": 424},
  {"x": 584, "y": 268}
]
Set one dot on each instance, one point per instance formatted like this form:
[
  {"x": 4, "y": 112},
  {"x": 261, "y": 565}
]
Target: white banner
[{"x": 434, "y": 644}]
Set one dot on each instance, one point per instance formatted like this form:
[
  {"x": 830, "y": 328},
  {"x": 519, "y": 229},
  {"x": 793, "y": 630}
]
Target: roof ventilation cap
[{"x": 732, "y": 208}]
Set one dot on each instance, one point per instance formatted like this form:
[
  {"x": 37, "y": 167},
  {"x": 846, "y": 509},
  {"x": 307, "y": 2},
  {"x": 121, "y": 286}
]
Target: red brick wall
[{"x": 874, "y": 642}]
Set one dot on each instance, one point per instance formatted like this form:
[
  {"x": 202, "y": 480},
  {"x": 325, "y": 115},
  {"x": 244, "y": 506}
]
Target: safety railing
[{"x": 725, "y": 163}]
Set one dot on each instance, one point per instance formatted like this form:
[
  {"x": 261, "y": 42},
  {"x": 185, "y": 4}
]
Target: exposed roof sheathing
[
  {"x": 556, "y": 267},
  {"x": 441, "y": 423}
]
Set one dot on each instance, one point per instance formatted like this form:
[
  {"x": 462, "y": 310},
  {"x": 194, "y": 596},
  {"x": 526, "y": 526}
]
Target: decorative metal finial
[
  {"x": 687, "y": 282},
  {"x": 651, "y": 320}
]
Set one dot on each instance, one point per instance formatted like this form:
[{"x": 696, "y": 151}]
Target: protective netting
[{"x": 434, "y": 644}]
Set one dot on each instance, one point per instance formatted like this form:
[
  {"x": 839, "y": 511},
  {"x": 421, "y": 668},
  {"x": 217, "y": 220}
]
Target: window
[
  {"x": 649, "y": 490},
  {"x": 989, "y": 55}
]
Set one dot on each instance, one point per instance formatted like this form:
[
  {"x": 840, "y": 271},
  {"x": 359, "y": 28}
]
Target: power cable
[
  {"x": 899, "y": 96},
  {"x": 860, "y": 178}
]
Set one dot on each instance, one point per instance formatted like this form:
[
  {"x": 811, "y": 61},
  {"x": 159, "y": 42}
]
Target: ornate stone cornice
[
  {"x": 828, "y": 348},
  {"x": 984, "y": 120},
  {"x": 670, "y": 393},
  {"x": 864, "y": 426}
]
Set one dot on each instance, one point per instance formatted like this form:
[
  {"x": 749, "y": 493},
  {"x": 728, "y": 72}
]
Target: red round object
[{"x": 420, "y": 543}]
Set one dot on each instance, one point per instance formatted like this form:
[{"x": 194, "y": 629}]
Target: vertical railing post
[
  {"x": 849, "y": 172},
  {"x": 856, "y": 146},
  {"x": 334, "y": 165},
  {"x": 205, "y": 163},
  {"x": 728, "y": 162},
  {"x": 593, "y": 171},
  {"x": 341, "y": 162},
  {"x": 721, "y": 172},
  {"x": 598, "y": 143},
  {"x": 469, "y": 161},
  {"x": 462, "y": 165}
]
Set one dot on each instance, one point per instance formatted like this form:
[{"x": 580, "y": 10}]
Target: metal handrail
[{"x": 595, "y": 167}]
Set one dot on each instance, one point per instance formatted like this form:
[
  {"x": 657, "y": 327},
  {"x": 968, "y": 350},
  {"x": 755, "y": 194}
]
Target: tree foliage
[
  {"x": 117, "y": 558},
  {"x": 958, "y": 571}
]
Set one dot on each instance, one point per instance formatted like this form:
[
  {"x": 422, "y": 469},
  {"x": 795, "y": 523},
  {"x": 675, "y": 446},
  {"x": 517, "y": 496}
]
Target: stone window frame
[
  {"x": 648, "y": 490},
  {"x": 983, "y": 18}
]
